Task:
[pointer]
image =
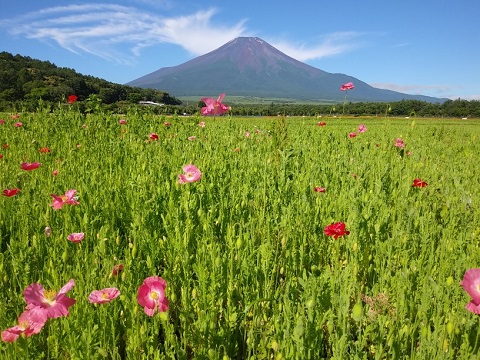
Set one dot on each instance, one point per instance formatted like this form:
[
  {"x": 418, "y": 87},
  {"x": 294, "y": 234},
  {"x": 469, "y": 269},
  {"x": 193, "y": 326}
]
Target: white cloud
[
  {"x": 105, "y": 30},
  {"x": 329, "y": 45},
  {"x": 119, "y": 33}
]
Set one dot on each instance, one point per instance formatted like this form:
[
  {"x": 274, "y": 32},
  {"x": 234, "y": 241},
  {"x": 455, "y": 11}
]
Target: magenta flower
[
  {"x": 55, "y": 304},
  {"x": 30, "y": 322},
  {"x": 399, "y": 143},
  {"x": 151, "y": 295},
  {"x": 362, "y": 128},
  {"x": 122, "y": 122},
  {"x": 30, "y": 166},
  {"x": 60, "y": 200},
  {"x": 471, "y": 284},
  {"x": 347, "y": 86},
  {"x": 336, "y": 230},
  {"x": 191, "y": 174},
  {"x": 214, "y": 107},
  {"x": 18, "y": 124},
  {"x": 10, "y": 192},
  {"x": 103, "y": 296},
  {"x": 76, "y": 237},
  {"x": 153, "y": 136}
]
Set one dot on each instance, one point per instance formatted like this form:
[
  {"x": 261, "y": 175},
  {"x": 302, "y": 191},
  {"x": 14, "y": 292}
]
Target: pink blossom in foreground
[
  {"x": 362, "y": 128},
  {"x": 399, "y": 143},
  {"x": 336, "y": 230},
  {"x": 190, "y": 175},
  {"x": 347, "y": 86},
  {"x": 30, "y": 166},
  {"x": 76, "y": 237},
  {"x": 103, "y": 296},
  {"x": 471, "y": 284},
  {"x": 151, "y": 295},
  {"x": 30, "y": 322},
  {"x": 55, "y": 304},
  {"x": 214, "y": 107},
  {"x": 60, "y": 200},
  {"x": 10, "y": 192}
]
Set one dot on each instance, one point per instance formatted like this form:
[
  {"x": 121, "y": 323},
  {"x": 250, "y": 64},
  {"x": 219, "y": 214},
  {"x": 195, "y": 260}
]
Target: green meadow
[{"x": 250, "y": 272}]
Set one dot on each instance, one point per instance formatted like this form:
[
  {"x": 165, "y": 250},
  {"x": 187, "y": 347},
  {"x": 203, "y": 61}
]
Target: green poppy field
[{"x": 299, "y": 240}]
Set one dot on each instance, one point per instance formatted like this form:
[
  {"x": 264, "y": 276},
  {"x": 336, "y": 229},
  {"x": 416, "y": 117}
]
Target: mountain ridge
[{"x": 249, "y": 66}]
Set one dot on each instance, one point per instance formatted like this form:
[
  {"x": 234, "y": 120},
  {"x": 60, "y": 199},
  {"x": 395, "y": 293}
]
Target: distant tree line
[{"x": 27, "y": 84}]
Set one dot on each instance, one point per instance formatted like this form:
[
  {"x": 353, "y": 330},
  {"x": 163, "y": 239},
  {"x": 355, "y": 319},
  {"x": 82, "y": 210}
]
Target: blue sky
[{"x": 428, "y": 47}]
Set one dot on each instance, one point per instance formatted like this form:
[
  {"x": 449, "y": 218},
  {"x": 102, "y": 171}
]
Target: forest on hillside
[{"x": 27, "y": 84}]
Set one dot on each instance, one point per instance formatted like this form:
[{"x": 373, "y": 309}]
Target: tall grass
[{"x": 250, "y": 273}]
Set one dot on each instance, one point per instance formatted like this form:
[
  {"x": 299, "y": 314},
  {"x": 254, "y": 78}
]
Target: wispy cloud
[
  {"x": 446, "y": 91},
  {"x": 328, "y": 45},
  {"x": 119, "y": 33},
  {"x": 106, "y": 30}
]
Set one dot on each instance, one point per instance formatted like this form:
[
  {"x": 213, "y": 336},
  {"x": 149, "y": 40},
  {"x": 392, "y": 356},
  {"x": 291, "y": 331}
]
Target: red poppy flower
[
  {"x": 153, "y": 136},
  {"x": 44, "y": 150},
  {"x": 117, "y": 269},
  {"x": 322, "y": 123},
  {"x": 1, "y": 156},
  {"x": 319, "y": 189},
  {"x": 336, "y": 230},
  {"x": 18, "y": 124},
  {"x": 72, "y": 99},
  {"x": 352, "y": 135},
  {"x": 30, "y": 166},
  {"x": 419, "y": 183},
  {"x": 5, "y": 146},
  {"x": 10, "y": 192}
]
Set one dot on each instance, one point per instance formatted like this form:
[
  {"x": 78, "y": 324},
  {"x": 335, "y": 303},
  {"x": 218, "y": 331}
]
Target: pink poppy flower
[
  {"x": 191, "y": 138},
  {"x": 322, "y": 123},
  {"x": 399, "y": 143},
  {"x": 2, "y": 121},
  {"x": 151, "y": 295},
  {"x": 362, "y": 128},
  {"x": 103, "y": 296},
  {"x": 352, "y": 135},
  {"x": 117, "y": 269},
  {"x": 30, "y": 322},
  {"x": 201, "y": 124},
  {"x": 408, "y": 153},
  {"x": 55, "y": 304},
  {"x": 48, "y": 231},
  {"x": 76, "y": 237},
  {"x": 347, "y": 86},
  {"x": 55, "y": 172},
  {"x": 68, "y": 198},
  {"x": 419, "y": 183},
  {"x": 191, "y": 174},
  {"x": 72, "y": 99},
  {"x": 122, "y": 122},
  {"x": 153, "y": 136},
  {"x": 30, "y": 166},
  {"x": 18, "y": 124},
  {"x": 471, "y": 284},
  {"x": 247, "y": 134},
  {"x": 319, "y": 189},
  {"x": 10, "y": 192},
  {"x": 336, "y": 230},
  {"x": 214, "y": 107}
]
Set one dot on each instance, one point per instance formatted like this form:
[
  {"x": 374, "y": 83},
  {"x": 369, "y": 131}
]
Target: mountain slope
[{"x": 248, "y": 66}]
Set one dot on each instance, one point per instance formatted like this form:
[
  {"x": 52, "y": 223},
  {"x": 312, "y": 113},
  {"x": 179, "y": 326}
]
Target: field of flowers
[{"x": 147, "y": 237}]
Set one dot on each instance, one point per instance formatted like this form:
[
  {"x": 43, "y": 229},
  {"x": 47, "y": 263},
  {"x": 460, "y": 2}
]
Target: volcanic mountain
[{"x": 249, "y": 66}]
